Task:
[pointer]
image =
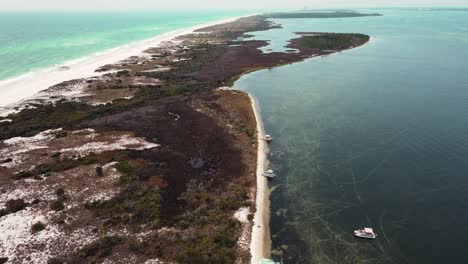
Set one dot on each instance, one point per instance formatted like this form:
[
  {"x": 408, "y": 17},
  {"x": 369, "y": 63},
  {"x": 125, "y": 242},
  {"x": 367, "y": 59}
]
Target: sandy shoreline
[
  {"x": 260, "y": 244},
  {"x": 17, "y": 88}
]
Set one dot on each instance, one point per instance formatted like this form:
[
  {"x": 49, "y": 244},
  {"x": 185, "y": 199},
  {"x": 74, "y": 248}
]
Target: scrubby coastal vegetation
[
  {"x": 153, "y": 162},
  {"x": 331, "y": 41}
]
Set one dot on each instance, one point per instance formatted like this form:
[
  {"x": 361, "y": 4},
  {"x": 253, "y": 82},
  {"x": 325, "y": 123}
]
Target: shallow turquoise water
[
  {"x": 376, "y": 136},
  {"x": 31, "y": 41}
]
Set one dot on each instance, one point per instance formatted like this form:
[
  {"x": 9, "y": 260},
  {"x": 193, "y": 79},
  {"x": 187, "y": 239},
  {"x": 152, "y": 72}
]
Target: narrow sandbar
[{"x": 260, "y": 245}]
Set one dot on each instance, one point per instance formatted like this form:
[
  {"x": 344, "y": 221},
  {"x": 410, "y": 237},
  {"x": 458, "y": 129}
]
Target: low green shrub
[
  {"x": 37, "y": 227},
  {"x": 57, "y": 205},
  {"x": 15, "y": 205},
  {"x": 99, "y": 171}
]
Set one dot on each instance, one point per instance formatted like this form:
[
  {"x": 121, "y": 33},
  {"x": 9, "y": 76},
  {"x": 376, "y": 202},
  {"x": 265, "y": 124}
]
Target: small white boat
[
  {"x": 268, "y": 138},
  {"x": 366, "y": 232},
  {"x": 270, "y": 174}
]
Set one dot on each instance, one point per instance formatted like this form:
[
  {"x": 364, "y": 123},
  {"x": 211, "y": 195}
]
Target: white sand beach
[
  {"x": 17, "y": 88},
  {"x": 260, "y": 246}
]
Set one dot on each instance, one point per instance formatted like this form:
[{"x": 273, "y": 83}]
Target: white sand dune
[{"x": 260, "y": 246}]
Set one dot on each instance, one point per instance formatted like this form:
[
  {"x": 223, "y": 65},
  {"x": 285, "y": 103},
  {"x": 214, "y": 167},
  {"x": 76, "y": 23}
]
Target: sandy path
[{"x": 260, "y": 245}]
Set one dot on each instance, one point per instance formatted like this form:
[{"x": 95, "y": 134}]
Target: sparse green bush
[
  {"x": 57, "y": 206},
  {"x": 60, "y": 134},
  {"x": 23, "y": 175},
  {"x": 123, "y": 73},
  {"x": 60, "y": 192},
  {"x": 128, "y": 172},
  {"x": 7, "y": 160},
  {"x": 250, "y": 217},
  {"x": 37, "y": 227},
  {"x": 15, "y": 205},
  {"x": 124, "y": 167},
  {"x": 99, "y": 171}
]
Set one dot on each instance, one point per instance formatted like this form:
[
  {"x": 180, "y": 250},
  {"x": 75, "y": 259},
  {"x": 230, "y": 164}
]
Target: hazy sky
[{"x": 211, "y": 4}]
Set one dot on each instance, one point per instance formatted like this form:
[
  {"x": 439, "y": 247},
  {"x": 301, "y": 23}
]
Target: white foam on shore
[
  {"x": 260, "y": 245},
  {"x": 17, "y": 88}
]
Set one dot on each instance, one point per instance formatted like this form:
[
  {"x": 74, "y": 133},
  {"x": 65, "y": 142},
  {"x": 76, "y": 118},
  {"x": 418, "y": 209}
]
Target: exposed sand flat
[
  {"x": 260, "y": 246},
  {"x": 17, "y": 88}
]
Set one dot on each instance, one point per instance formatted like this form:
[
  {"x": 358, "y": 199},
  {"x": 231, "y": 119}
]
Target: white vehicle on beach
[{"x": 366, "y": 232}]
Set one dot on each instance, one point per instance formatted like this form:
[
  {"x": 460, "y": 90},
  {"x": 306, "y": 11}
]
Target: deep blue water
[{"x": 376, "y": 136}]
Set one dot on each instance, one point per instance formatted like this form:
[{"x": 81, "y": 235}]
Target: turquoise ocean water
[
  {"x": 32, "y": 41},
  {"x": 376, "y": 136}
]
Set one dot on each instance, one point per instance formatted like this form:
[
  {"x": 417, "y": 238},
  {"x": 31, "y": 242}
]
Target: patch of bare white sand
[
  {"x": 20, "y": 245},
  {"x": 16, "y": 231},
  {"x": 72, "y": 91},
  {"x": 244, "y": 240},
  {"x": 44, "y": 190},
  {"x": 114, "y": 143},
  {"x": 145, "y": 81},
  {"x": 155, "y": 261},
  {"x": 160, "y": 69},
  {"x": 260, "y": 245},
  {"x": 28, "y": 191},
  {"x": 25, "y": 150},
  {"x": 17, "y": 88},
  {"x": 242, "y": 214},
  {"x": 112, "y": 176}
]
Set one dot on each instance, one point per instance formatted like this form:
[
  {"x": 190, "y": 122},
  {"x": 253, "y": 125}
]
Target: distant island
[
  {"x": 316, "y": 14},
  {"x": 152, "y": 161}
]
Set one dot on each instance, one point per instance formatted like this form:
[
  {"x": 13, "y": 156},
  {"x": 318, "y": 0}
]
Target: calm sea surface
[
  {"x": 32, "y": 41},
  {"x": 376, "y": 136}
]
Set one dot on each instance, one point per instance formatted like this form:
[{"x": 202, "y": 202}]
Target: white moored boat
[
  {"x": 366, "y": 232},
  {"x": 268, "y": 138},
  {"x": 270, "y": 174}
]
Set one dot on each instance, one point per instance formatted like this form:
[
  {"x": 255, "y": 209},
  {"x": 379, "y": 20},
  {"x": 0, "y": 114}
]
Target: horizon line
[{"x": 228, "y": 9}]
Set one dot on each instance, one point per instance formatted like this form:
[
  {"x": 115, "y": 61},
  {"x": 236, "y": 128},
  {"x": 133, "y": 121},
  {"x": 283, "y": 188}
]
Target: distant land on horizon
[{"x": 317, "y": 14}]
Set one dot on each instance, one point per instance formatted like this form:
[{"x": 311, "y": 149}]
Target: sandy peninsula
[{"x": 146, "y": 158}]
